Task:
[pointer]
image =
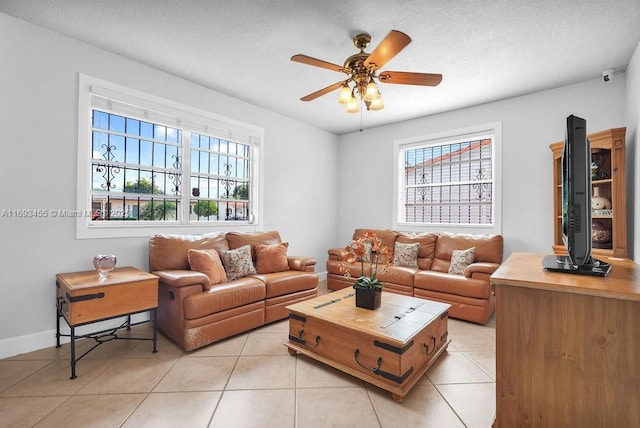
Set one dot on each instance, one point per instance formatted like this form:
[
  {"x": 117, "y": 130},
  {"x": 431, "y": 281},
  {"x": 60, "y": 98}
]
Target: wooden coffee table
[{"x": 390, "y": 347}]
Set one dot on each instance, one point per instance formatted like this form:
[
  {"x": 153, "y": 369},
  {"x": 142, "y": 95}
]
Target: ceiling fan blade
[
  {"x": 406, "y": 78},
  {"x": 387, "y": 49},
  {"x": 304, "y": 59},
  {"x": 323, "y": 91}
]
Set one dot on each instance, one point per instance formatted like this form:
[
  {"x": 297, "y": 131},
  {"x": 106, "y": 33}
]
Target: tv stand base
[{"x": 555, "y": 263}]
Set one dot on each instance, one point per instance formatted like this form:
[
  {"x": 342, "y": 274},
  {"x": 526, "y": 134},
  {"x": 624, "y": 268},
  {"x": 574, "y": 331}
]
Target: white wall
[
  {"x": 529, "y": 124},
  {"x": 318, "y": 187},
  {"x": 633, "y": 154},
  {"x": 38, "y": 118}
]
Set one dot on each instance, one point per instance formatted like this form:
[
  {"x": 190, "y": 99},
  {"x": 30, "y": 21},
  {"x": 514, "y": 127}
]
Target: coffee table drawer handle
[
  {"x": 301, "y": 341},
  {"x": 433, "y": 346},
  {"x": 375, "y": 369}
]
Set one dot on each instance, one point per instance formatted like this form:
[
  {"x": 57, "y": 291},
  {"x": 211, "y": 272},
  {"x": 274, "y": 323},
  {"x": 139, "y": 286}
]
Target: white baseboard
[{"x": 45, "y": 339}]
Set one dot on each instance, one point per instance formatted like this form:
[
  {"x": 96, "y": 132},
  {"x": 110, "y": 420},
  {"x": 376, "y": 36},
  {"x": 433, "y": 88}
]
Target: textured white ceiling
[{"x": 486, "y": 50}]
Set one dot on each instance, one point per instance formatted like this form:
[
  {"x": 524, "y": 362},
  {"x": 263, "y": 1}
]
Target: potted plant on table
[{"x": 369, "y": 251}]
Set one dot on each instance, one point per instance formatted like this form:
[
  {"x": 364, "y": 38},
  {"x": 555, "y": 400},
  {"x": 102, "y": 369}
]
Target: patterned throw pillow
[
  {"x": 367, "y": 252},
  {"x": 406, "y": 255},
  {"x": 460, "y": 259},
  {"x": 272, "y": 258},
  {"x": 237, "y": 263},
  {"x": 208, "y": 262}
]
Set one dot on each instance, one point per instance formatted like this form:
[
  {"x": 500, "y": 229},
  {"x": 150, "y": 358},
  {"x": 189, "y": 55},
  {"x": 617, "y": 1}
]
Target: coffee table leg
[
  {"x": 292, "y": 351},
  {"x": 397, "y": 398}
]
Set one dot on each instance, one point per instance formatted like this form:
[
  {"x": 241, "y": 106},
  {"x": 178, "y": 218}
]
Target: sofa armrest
[
  {"x": 181, "y": 278},
  {"x": 304, "y": 264},
  {"x": 337, "y": 254},
  {"x": 481, "y": 268}
]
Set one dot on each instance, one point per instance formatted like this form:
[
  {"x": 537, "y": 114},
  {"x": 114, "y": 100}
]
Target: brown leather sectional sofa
[
  {"x": 469, "y": 294},
  {"x": 194, "y": 316}
]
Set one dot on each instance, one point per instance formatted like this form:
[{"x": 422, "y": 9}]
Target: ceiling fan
[{"x": 363, "y": 69}]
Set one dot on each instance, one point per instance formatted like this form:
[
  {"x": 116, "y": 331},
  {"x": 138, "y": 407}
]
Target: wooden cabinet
[
  {"x": 567, "y": 346},
  {"x": 608, "y": 155}
]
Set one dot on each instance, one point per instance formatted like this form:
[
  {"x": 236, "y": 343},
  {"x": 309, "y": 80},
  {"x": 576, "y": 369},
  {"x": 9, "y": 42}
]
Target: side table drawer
[{"x": 80, "y": 306}]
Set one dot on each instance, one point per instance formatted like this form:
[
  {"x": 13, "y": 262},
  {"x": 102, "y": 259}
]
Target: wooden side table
[{"x": 83, "y": 298}]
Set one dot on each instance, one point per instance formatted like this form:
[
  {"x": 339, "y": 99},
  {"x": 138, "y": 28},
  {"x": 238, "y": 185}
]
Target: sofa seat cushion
[
  {"x": 398, "y": 275},
  {"x": 281, "y": 283},
  {"x": 452, "y": 284},
  {"x": 333, "y": 266},
  {"x": 222, "y": 297},
  {"x": 394, "y": 274}
]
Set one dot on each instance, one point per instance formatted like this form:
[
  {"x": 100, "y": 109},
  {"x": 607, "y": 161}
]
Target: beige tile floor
[{"x": 249, "y": 380}]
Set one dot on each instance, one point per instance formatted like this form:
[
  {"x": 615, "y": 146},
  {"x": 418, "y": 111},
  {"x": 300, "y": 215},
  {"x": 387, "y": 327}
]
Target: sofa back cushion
[
  {"x": 426, "y": 246},
  {"x": 240, "y": 239},
  {"x": 170, "y": 252},
  {"x": 488, "y": 248},
  {"x": 388, "y": 237}
]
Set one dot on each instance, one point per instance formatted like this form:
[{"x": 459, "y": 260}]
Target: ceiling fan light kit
[{"x": 363, "y": 68}]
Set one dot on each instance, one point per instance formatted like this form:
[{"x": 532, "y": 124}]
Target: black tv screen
[
  {"x": 576, "y": 192},
  {"x": 576, "y": 205}
]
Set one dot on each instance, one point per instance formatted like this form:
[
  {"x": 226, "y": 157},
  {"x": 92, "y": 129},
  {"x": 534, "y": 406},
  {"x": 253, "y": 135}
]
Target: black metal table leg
[
  {"x": 154, "y": 318},
  {"x": 58, "y": 315},
  {"x": 73, "y": 352}
]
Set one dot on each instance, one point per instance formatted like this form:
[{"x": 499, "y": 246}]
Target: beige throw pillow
[
  {"x": 237, "y": 263},
  {"x": 406, "y": 255},
  {"x": 460, "y": 259}
]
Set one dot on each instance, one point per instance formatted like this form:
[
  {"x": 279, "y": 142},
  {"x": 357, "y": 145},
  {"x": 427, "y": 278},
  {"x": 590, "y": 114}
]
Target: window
[
  {"x": 449, "y": 180},
  {"x": 136, "y": 169},
  {"x": 145, "y": 161}
]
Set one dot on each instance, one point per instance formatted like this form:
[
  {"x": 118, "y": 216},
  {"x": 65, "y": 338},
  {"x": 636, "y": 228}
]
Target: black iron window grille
[
  {"x": 220, "y": 179},
  {"x": 138, "y": 170},
  {"x": 449, "y": 183}
]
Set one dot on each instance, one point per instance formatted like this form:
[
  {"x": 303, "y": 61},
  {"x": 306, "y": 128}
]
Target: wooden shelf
[{"x": 609, "y": 148}]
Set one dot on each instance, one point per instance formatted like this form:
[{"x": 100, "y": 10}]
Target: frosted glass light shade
[
  {"x": 371, "y": 92},
  {"x": 353, "y": 106},
  {"x": 376, "y": 104},
  {"x": 345, "y": 95}
]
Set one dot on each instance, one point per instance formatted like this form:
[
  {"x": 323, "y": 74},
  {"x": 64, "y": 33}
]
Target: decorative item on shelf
[
  {"x": 104, "y": 264},
  {"x": 600, "y": 233},
  {"x": 597, "y": 160},
  {"x": 599, "y": 202},
  {"x": 369, "y": 251},
  {"x": 602, "y": 213}
]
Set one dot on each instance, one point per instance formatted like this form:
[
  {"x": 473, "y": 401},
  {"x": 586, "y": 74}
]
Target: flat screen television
[{"x": 576, "y": 205}]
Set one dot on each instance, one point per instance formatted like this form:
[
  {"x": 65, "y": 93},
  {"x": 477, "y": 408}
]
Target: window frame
[
  {"x": 169, "y": 113},
  {"x": 494, "y": 128}
]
